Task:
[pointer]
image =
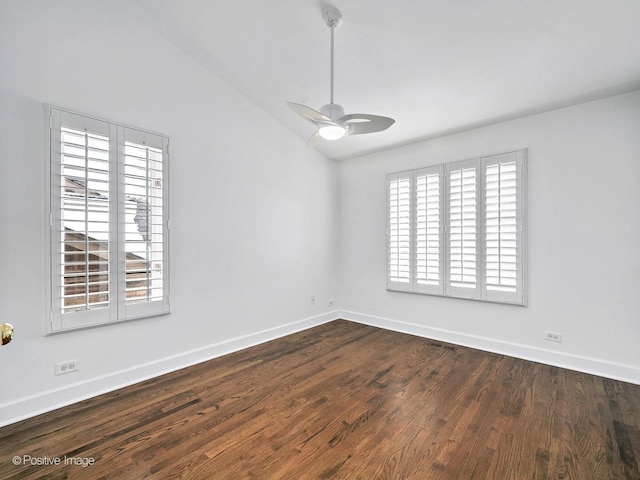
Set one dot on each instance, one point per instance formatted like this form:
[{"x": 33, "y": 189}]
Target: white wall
[
  {"x": 252, "y": 208},
  {"x": 584, "y": 239}
]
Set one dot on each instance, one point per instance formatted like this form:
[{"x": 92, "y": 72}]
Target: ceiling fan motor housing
[{"x": 332, "y": 111}]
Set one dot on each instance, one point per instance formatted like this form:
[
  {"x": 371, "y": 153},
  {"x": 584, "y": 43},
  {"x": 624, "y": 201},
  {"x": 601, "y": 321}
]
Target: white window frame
[
  {"x": 447, "y": 287},
  {"x": 118, "y": 309}
]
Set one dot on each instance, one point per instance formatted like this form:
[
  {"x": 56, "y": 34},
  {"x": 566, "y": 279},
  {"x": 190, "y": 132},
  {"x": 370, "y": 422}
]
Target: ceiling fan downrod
[{"x": 332, "y": 17}]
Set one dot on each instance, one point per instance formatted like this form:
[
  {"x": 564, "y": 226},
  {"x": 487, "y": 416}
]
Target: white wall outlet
[
  {"x": 330, "y": 302},
  {"x": 313, "y": 300},
  {"x": 553, "y": 336},
  {"x": 66, "y": 367}
]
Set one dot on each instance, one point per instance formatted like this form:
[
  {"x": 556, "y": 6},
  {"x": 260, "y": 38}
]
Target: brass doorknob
[{"x": 6, "y": 331}]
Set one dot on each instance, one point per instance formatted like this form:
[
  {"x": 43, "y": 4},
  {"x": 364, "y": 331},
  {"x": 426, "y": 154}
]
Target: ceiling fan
[{"x": 331, "y": 121}]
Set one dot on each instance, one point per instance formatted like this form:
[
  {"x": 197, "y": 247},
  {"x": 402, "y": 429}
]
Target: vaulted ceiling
[{"x": 435, "y": 66}]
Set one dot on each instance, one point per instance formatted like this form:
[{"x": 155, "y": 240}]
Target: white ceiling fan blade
[
  {"x": 360, "y": 123},
  {"x": 309, "y": 113}
]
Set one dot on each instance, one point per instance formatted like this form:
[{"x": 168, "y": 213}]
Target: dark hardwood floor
[{"x": 343, "y": 401}]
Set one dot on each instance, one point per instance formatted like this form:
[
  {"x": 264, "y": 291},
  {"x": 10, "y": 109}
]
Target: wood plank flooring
[{"x": 343, "y": 401}]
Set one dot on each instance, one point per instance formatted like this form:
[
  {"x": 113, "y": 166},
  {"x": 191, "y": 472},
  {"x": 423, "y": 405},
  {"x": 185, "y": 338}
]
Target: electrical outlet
[
  {"x": 330, "y": 302},
  {"x": 66, "y": 367},
  {"x": 553, "y": 336},
  {"x": 313, "y": 299}
]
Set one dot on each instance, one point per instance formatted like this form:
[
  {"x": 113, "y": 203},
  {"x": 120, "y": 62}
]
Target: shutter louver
[
  {"x": 400, "y": 231},
  {"x": 84, "y": 216},
  {"x": 501, "y": 211},
  {"x": 463, "y": 227}
]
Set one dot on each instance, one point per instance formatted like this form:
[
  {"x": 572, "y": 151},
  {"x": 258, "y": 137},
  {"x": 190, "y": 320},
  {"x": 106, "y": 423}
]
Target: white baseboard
[
  {"x": 46, "y": 401},
  {"x": 593, "y": 366}
]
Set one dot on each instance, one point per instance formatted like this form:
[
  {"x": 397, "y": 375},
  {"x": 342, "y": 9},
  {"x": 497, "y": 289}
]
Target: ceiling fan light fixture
[{"x": 332, "y": 132}]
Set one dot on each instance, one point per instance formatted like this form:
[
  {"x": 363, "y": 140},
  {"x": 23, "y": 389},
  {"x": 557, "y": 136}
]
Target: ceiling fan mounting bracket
[{"x": 332, "y": 16}]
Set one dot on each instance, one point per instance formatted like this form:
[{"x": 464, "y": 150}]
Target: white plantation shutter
[
  {"x": 503, "y": 227},
  {"x": 399, "y": 232},
  {"x": 82, "y": 209},
  {"x": 94, "y": 182},
  {"x": 458, "y": 229},
  {"x": 429, "y": 230},
  {"x": 144, "y": 258},
  {"x": 462, "y": 233}
]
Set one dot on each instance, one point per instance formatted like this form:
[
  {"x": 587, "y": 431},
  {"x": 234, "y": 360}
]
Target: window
[
  {"x": 109, "y": 254},
  {"x": 458, "y": 229}
]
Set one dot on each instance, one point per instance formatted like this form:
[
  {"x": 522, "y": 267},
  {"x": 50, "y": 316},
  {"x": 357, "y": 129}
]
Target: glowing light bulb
[{"x": 332, "y": 132}]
